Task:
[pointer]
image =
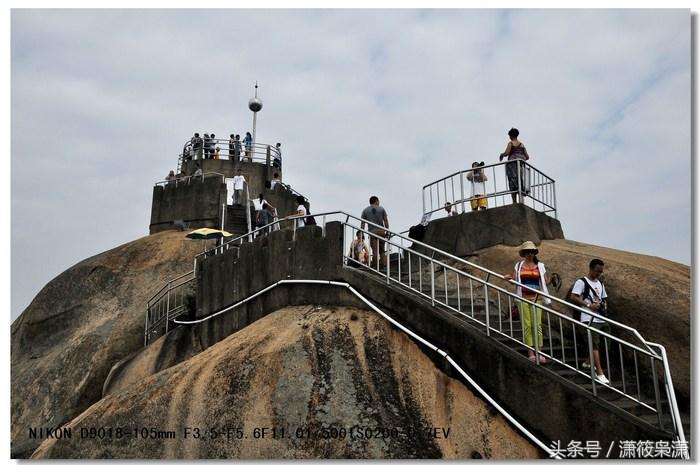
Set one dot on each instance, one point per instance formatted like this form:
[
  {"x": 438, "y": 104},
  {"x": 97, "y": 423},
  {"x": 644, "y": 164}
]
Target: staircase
[
  {"x": 236, "y": 220},
  {"x": 560, "y": 343},
  {"x": 640, "y": 381}
]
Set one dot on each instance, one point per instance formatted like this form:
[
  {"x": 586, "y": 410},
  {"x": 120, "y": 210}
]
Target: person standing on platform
[
  {"x": 238, "y": 186},
  {"x": 248, "y": 146},
  {"x": 376, "y": 216},
  {"x": 515, "y": 150}
]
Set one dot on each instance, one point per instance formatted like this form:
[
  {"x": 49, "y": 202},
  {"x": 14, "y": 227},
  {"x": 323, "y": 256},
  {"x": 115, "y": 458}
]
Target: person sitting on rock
[
  {"x": 448, "y": 209},
  {"x": 589, "y": 293},
  {"x": 359, "y": 250}
]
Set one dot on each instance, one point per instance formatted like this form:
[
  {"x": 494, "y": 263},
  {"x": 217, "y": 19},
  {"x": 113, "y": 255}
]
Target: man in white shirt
[
  {"x": 589, "y": 293},
  {"x": 238, "y": 186}
]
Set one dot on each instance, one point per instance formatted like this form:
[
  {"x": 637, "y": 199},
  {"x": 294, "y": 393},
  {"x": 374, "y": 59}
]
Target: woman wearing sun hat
[{"x": 530, "y": 273}]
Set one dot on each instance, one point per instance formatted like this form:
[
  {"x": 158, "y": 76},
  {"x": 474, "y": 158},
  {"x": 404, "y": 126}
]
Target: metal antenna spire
[{"x": 255, "y": 105}]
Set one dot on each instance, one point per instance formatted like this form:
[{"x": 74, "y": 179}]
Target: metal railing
[
  {"x": 541, "y": 444},
  {"x": 166, "y": 305},
  {"x": 254, "y": 153},
  {"x": 443, "y": 280},
  {"x": 539, "y": 189},
  {"x": 190, "y": 179}
]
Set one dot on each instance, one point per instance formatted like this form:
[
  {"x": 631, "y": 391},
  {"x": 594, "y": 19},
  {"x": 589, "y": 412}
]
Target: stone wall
[
  {"x": 463, "y": 234},
  {"x": 197, "y": 202}
]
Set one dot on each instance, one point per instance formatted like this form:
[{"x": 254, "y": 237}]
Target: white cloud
[{"x": 363, "y": 101}]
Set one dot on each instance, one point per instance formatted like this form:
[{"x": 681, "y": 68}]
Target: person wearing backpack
[
  {"x": 588, "y": 292},
  {"x": 530, "y": 273}
]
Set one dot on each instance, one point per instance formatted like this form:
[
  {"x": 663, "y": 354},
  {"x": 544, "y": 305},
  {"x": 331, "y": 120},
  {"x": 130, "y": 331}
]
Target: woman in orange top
[{"x": 531, "y": 274}]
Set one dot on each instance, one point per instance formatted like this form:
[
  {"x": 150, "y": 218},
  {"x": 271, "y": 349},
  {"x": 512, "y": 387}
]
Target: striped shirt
[{"x": 529, "y": 278}]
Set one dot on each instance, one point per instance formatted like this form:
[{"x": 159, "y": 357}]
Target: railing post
[
  {"x": 145, "y": 331},
  {"x": 520, "y": 187},
  {"x": 486, "y": 307},
  {"x": 432, "y": 283},
  {"x": 167, "y": 309},
  {"x": 657, "y": 396},
  {"x": 591, "y": 360},
  {"x": 388, "y": 259},
  {"x": 461, "y": 188}
]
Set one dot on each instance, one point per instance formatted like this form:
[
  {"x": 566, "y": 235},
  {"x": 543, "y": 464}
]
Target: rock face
[
  {"x": 314, "y": 372},
  {"x": 80, "y": 324},
  {"x": 647, "y": 293}
]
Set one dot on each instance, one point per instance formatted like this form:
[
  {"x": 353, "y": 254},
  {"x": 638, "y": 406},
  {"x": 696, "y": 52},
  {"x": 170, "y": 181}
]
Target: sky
[{"x": 363, "y": 101}]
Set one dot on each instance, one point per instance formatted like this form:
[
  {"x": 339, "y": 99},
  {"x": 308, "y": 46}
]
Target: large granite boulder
[
  {"x": 315, "y": 372},
  {"x": 79, "y": 325}
]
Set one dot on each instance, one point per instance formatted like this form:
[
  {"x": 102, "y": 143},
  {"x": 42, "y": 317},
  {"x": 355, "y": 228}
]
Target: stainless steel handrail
[
  {"x": 671, "y": 395},
  {"x": 188, "y": 179},
  {"x": 163, "y": 306},
  {"x": 256, "y": 152},
  {"x": 542, "y": 191},
  {"x": 541, "y": 444},
  {"x": 500, "y": 294},
  {"x": 449, "y": 256}
]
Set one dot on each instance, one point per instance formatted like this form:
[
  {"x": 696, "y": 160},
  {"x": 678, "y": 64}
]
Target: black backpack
[{"x": 587, "y": 289}]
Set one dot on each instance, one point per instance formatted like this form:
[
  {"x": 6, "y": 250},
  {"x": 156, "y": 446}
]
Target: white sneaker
[
  {"x": 586, "y": 366},
  {"x": 602, "y": 379}
]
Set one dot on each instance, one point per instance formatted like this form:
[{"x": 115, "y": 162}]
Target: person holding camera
[{"x": 589, "y": 293}]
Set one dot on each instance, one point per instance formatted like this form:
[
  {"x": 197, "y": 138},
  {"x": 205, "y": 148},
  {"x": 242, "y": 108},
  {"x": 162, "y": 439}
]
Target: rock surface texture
[
  {"x": 310, "y": 370},
  {"x": 79, "y": 325}
]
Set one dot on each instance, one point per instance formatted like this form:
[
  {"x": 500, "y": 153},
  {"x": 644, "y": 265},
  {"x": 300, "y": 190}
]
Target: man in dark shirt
[{"x": 376, "y": 216}]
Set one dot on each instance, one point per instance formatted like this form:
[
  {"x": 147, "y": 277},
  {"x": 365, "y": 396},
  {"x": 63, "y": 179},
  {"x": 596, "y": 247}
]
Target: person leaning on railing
[
  {"x": 531, "y": 274},
  {"x": 515, "y": 150}
]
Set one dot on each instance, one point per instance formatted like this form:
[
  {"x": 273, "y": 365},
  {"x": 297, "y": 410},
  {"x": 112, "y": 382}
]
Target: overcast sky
[{"x": 363, "y": 102}]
